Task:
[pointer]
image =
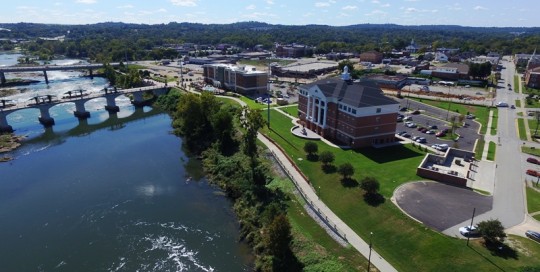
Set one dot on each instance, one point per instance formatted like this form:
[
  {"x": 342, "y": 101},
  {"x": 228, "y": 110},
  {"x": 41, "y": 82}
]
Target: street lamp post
[{"x": 370, "y": 247}]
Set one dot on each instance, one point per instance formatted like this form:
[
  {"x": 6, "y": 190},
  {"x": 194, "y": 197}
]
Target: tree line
[
  {"x": 232, "y": 160},
  {"x": 112, "y": 42}
]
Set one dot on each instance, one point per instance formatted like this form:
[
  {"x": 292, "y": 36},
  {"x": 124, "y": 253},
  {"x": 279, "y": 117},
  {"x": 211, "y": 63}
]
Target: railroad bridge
[{"x": 45, "y": 68}]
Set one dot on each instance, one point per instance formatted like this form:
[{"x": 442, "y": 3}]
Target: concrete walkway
[{"x": 488, "y": 137}]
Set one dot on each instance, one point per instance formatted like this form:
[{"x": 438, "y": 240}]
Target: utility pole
[
  {"x": 370, "y": 247},
  {"x": 472, "y": 219}
]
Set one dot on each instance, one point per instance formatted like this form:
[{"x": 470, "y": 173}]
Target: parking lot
[
  {"x": 430, "y": 116},
  {"x": 440, "y": 206}
]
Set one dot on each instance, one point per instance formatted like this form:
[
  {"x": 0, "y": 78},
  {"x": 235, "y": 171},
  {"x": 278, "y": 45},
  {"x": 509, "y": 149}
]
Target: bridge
[
  {"x": 45, "y": 68},
  {"x": 45, "y": 102}
]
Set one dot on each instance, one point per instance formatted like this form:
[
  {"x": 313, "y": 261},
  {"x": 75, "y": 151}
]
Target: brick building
[
  {"x": 357, "y": 114},
  {"x": 293, "y": 51},
  {"x": 532, "y": 78},
  {"x": 371, "y": 56},
  {"x": 244, "y": 80}
]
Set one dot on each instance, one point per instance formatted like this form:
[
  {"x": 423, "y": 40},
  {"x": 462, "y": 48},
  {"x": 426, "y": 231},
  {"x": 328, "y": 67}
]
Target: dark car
[
  {"x": 533, "y": 235},
  {"x": 416, "y": 112},
  {"x": 533, "y": 160},
  {"x": 403, "y": 109},
  {"x": 532, "y": 173}
]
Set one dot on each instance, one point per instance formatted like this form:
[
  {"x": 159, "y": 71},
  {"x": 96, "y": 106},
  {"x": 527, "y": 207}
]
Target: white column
[
  {"x": 319, "y": 113},
  {"x": 325, "y": 113},
  {"x": 308, "y": 107},
  {"x": 313, "y": 107}
]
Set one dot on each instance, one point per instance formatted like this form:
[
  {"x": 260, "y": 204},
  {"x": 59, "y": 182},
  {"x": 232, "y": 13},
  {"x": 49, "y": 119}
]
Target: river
[{"x": 110, "y": 194}]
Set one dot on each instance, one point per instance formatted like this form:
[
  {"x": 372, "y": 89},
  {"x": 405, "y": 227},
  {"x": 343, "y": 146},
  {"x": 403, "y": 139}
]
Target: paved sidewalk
[
  {"x": 333, "y": 220},
  {"x": 488, "y": 137}
]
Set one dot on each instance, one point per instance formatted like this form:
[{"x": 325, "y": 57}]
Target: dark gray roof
[{"x": 365, "y": 93}]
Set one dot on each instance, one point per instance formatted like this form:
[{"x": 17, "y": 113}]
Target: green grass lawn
[
  {"x": 479, "y": 148},
  {"x": 530, "y": 150},
  {"x": 516, "y": 83},
  {"x": 521, "y": 129},
  {"x": 494, "y": 121},
  {"x": 518, "y": 103},
  {"x": 491, "y": 151},
  {"x": 481, "y": 112},
  {"x": 520, "y": 114},
  {"x": 533, "y": 125},
  {"x": 532, "y": 103},
  {"x": 533, "y": 200},
  {"x": 292, "y": 110},
  {"x": 405, "y": 243}
]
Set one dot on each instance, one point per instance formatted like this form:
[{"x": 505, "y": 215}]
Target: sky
[{"x": 487, "y": 13}]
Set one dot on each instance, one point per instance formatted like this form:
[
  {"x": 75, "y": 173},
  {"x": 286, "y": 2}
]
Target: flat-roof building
[{"x": 240, "y": 79}]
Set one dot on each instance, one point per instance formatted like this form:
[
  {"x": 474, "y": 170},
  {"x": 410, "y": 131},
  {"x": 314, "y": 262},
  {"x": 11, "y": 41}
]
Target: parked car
[
  {"x": 414, "y": 138},
  {"x": 399, "y": 119},
  {"x": 502, "y": 104},
  {"x": 406, "y": 135},
  {"x": 403, "y": 109},
  {"x": 533, "y": 160},
  {"x": 434, "y": 127},
  {"x": 421, "y": 140},
  {"x": 533, "y": 235},
  {"x": 469, "y": 231},
  {"x": 407, "y": 118},
  {"x": 410, "y": 124},
  {"x": 416, "y": 112},
  {"x": 440, "y": 147},
  {"x": 401, "y": 133},
  {"x": 470, "y": 116},
  {"x": 512, "y": 107},
  {"x": 430, "y": 132},
  {"x": 533, "y": 173},
  {"x": 440, "y": 134}
]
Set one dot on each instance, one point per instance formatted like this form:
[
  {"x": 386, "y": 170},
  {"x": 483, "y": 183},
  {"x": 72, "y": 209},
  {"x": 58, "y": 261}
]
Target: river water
[{"x": 113, "y": 193}]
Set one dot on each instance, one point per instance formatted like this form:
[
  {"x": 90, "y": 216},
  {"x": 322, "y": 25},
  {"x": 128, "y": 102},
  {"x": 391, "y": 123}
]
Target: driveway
[{"x": 440, "y": 206}]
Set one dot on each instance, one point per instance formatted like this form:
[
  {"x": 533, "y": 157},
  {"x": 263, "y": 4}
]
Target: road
[{"x": 509, "y": 202}]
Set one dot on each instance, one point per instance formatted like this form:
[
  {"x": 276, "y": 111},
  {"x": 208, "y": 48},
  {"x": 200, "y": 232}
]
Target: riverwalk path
[{"x": 317, "y": 205}]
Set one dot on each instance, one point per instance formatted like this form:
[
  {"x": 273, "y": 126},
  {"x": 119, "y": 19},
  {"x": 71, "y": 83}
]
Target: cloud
[
  {"x": 411, "y": 10},
  {"x": 376, "y": 13},
  {"x": 125, "y": 7},
  {"x": 322, "y": 4},
  {"x": 184, "y": 3},
  {"x": 269, "y": 2},
  {"x": 480, "y": 8},
  {"x": 86, "y": 1},
  {"x": 385, "y": 5},
  {"x": 251, "y": 7},
  {"x": 350, "y": 8}
]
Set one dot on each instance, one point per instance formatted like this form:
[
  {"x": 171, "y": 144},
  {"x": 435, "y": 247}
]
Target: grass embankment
[
  {"x": 533, "y": 200},
  {"x": 479, "y": 150},
  {"x": 521, "y": 129},
  {"x": 312, "y": 245},
  {"x": 491, "y": 151},
  {"x": 530, "y": 150},
  {"x": 405, "y": 243}
]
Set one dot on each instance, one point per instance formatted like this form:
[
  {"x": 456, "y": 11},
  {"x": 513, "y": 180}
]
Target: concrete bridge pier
[
  {"x": 111, "y": 104},
  {"x": 138, "y": 100},
  {"x": 80, "y": 112},
  {"x": 46, "y": 77},
  {"x": 2, "y": 78},
  {"x": 91, "y": 73},
  {"x": 4, "y": 126},
  {"x": 45, "y": 119}
]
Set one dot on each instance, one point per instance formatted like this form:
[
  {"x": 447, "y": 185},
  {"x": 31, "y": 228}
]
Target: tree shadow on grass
[
  {"x": 349, "y": 182},
  {"x": 312, "y": 157},
  {"x": 388, "y": 154},
  {"x": 374, "y": 199},
  {"x": 329, "y": 168},
  {"x": 501, "y": 250}
]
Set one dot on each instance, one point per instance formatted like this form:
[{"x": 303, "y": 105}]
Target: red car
[
  {"x": 440, "y": 134},
  {"x": 533, "y": 173},
  {"x": 533, "y": 160}
]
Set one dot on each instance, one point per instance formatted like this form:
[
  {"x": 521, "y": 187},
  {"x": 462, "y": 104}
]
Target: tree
[
  {"x": 311, "y": 148},
  {"x": 326, "y": 157},
  {"x": 252, "y": 121},
  {"x": 492, "y": 231},
  {"x": 346, "y": 170},
  {"x": 370, "y": 185}
]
